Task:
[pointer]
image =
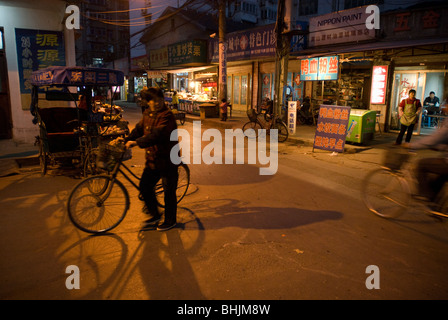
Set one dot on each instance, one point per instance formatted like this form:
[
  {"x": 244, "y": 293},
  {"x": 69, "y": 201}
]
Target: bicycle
[
  {"x": 99, "y": 203},
  {"x": 268, "y": 123},
  {"x": 391, "y": 190}
]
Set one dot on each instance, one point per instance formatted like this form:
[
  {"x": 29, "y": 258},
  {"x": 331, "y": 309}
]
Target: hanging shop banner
[
  {"x": 340, "y": 27},
  {"x": 379, "y": 85},
  {"x": 187, "y": 52},
  {"x": 323, "y": 68},
  {"x": 292, "y": 116},
  {"x": 331, "y": 130}
]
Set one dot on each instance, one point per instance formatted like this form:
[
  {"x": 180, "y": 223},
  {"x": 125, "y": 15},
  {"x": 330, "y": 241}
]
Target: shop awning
[
  {"x": 193, "y": 69},
  {"x": 371, "y": 46},
  {"x": 76, "y": 76}
]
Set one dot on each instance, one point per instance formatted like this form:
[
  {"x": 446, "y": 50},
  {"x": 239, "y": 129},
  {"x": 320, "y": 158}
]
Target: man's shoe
[
  {"x": 166, "y": 226},
  {"x": 153, "y": 219}
]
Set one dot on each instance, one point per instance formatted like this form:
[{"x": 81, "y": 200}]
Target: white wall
[{"x": 42, "y": 14}]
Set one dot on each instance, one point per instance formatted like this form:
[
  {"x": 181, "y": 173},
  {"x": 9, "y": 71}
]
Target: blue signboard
[
  {"x": 328, "y": 68},
  {"x": 247, "y": 44},
  {"x": 331, "y": 130},
  {"x": 323, "y": 68},
  {"x": 309, "y": 69},
  {"x": 37, "y": 49}
]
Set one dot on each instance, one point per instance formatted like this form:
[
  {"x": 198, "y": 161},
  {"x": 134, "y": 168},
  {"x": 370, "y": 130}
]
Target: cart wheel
[{"x": 43, "y": 158}]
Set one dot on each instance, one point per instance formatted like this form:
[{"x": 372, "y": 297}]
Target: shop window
[
  {"x": 243, "y": 90},
  {"x": 229, "y": 88},
  {"x": 236, "y": 90}
]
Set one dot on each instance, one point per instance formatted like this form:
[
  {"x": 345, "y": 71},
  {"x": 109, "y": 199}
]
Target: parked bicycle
[
  {"x": 99, "y": 203},
  {"x": 392, "y": 189},
  {"x": 259, "y": 121}
]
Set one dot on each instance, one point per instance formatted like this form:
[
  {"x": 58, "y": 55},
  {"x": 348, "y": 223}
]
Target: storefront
[
  {"x": 416, "y": 47},
  {"x": 27, "y": 45},
  {"x": 267, "y": 85},
  {"x": 423, "y": 80}
]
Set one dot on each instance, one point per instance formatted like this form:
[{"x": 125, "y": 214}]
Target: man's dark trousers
[{"x": 149, "y": 179}]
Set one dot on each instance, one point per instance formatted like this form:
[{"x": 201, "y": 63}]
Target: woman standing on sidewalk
[{"x": 408, "y": 112}]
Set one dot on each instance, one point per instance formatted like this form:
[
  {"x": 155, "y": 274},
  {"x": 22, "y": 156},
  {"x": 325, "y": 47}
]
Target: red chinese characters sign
[
  {"x": 417, "y": 20},
  {"x": 331, "y": 129},
  {"x": 379, "y": 85}
]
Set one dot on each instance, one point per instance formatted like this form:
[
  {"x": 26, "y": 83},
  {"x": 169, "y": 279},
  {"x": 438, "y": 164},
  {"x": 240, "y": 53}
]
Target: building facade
[
  {"x": 410, "y": 45},
  {"x": 33, "y": 36}
]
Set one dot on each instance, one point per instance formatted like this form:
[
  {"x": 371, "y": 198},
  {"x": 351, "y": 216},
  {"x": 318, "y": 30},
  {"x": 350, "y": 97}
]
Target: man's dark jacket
[{"x": 153, "y": 133}]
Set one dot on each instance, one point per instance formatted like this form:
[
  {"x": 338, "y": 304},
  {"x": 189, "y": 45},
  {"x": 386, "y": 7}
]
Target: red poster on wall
[{"x": 379, "y": 85}]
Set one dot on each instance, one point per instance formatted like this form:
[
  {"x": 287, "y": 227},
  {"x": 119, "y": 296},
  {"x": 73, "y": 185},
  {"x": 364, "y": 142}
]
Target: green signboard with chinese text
[{"x": 189, "y": 52}]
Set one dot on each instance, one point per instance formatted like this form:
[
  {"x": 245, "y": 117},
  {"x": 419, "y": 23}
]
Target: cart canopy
[{"x": 77, "y": 76}]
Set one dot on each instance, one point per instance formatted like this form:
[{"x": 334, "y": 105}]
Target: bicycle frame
[{"x": 158, "y": 187}]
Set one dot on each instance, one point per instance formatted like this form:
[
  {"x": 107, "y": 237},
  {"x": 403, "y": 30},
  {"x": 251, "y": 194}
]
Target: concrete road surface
[{"x": 302, "y": 233}]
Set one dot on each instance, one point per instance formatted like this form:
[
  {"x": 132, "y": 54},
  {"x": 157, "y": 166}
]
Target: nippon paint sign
[{"x": 340, "y": 27}]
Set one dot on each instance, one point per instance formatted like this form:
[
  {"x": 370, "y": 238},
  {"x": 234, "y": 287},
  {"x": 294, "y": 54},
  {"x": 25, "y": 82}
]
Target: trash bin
[{"x": 361, "y": 125}]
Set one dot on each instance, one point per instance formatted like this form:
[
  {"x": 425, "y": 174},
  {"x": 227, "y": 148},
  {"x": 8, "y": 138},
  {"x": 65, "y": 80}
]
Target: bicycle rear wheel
[
  {"x": 98, "y": 204},
  {"x": 282, "y": 131},
  {"x": 385, "y": 193},
  {"x": 183, "y": 182}
]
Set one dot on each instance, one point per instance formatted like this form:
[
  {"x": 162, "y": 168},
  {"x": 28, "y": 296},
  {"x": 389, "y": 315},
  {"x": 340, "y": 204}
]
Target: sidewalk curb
[{"x": 239, "y": 122}]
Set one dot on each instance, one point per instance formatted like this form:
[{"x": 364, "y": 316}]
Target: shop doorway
[
  {"x": 5, "y": 104},
  {"x": 238, "y": 91},
  {"x": 423, "y": 82}
]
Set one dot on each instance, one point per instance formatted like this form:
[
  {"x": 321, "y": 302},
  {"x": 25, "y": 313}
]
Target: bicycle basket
[
  {"x": 252, "y": 114},
  {"x": 394, "y": 159},
  {"x": 110, "y": 153}
]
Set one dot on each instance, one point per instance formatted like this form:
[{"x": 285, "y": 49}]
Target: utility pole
[
  {"x": 281, "y": 57},
  {"x": 222, "y": 70}
]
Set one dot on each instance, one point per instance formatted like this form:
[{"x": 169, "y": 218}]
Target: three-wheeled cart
[{"x": 69, "y": 134}]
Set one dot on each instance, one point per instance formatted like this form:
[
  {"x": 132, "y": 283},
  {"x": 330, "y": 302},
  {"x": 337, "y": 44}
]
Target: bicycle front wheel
[
  {"x": 98, "y": 204},
  {"x": 385, "y": 193},
  {"x": 183, "y": 182},
  {"x": 255, "y": 126}
]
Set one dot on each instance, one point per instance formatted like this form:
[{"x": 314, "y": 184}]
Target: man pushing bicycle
[{"x": 153, "y": 134}]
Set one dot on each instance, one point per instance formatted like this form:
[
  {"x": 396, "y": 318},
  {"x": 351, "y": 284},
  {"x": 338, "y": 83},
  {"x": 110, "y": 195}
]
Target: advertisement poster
[
  {"x": 331, "y": 130},
  {"x": 36, "y": 49}
]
